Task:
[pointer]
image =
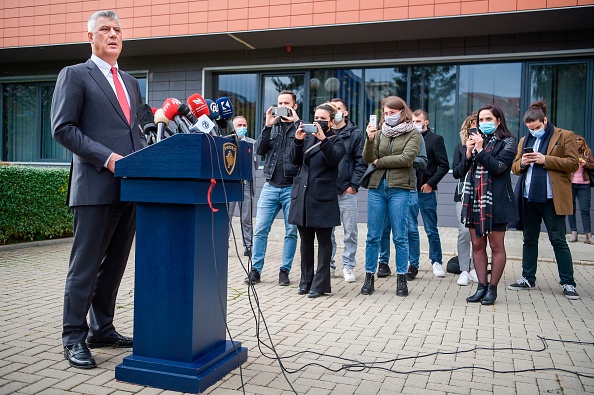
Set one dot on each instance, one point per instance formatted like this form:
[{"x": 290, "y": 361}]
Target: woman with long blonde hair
[{"x": 580, "y": 187}]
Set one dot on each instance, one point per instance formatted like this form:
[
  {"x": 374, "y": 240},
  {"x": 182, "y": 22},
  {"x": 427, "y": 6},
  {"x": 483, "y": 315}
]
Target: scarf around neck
[
  {"x": 477, "y": 195},
  {"x": 394, "y": 131},
  {"x": 538, "y": 181}
]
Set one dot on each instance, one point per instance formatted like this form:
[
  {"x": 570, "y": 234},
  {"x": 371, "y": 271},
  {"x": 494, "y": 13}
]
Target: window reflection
[
  {"x": 344, "y": 84},
  {"x": 242, "y": 89},
  {"x": 563, "y": 88},
  {"x": 433, "y": 89},
  {"x": 381, "y": 83},
  {"x": 491, "y": 83}
]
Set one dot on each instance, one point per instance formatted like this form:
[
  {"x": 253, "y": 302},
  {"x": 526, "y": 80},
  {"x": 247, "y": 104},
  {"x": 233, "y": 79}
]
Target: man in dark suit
[{"x": 91, "y": 117}]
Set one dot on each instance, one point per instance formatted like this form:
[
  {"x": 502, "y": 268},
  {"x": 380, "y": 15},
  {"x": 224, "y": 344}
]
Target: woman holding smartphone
[
  {"x": 392, "y": 148},
  {"x": 580, "y": 186},
  {"x": 314, "y": 202},
  {"x": 488, "y": 201}
]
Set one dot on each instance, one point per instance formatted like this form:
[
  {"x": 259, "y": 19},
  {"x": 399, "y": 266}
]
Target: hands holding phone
[
  {"x": 286, "y": 113},
  {"x": 372, "y": 127},
  {"x": 529, "y": 157},
  {"x": 308, "y": 128}
]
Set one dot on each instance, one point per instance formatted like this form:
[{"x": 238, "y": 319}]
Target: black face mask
[
  {"x": 323, "y": 125},
  {"x": 473, "y": 130}
]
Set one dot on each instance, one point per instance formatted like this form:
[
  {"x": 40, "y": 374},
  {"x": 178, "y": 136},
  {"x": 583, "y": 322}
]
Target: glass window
[
  {"x": 381, "y": 83},
  {"x": 18, "y": 122},
  {"x": 344, "y": 84},
  {"x": 433, "y": 89},
  {"x": 564, "y": 88},
  {"x": 272, "y": 85},
  {"x": 491, "y": 83},
  {"x": 242, "y": 89}
]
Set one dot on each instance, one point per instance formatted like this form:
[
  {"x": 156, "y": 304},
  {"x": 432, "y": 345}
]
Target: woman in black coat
[
  {"x": 488, "y": 202},
  {"x": 314, "y": 202}
]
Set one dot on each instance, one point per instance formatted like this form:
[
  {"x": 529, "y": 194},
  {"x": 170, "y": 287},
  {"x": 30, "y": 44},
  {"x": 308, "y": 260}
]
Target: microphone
[
  {"x": 162, "y": 121},
  {"x": 146, "y": 122},
  {"x": 170, "y": 109},
  {"x": 214, "y": 109},
  {"x": 225, "y": 107},
  {"x": 186, "y": 112},
  {"x": 204, "y": 125},
  {"x": 198, "y": 105}
]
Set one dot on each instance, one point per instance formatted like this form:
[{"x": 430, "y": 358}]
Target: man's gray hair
[{"x": 92, "y": 22}]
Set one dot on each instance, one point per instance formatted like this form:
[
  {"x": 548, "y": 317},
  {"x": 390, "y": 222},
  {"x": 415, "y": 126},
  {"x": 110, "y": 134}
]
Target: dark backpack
[{"x": 453, "y": 265}]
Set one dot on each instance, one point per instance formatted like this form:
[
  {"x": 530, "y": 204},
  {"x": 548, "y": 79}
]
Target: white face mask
[
  {"x": 392, "y": 120},
  {"x": 419, "y": 126},
  {"x": 338, "y": 117}
]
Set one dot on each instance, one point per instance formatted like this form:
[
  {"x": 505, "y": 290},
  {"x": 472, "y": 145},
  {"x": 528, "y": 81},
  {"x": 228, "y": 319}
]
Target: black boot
[
  {"x": 401, "y": 288},
  {"x": 367, "y": 288},
  {"x": 478, "y": 295},
  {"x": 490, "y": 296}
]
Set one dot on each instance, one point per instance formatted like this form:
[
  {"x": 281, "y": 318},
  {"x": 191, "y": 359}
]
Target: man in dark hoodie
[
  {"x": 351, "y": 168},
  {"x": 427, "y": 180}
]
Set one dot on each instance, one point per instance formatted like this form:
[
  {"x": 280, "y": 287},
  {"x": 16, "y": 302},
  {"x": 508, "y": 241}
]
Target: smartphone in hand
[
  {"x": 373, "y": 120},
  {"x": 528, "y": 150}
]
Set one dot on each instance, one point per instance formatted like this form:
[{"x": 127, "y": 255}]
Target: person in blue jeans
[
  {"x": 414, "y": 241},
  {"x": 275, "y": 142},
  {"x": 427, "y": 180},
  {"x": 392, "y": 149}
]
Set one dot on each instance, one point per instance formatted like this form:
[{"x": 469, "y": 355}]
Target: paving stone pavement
[{"x": 344, "y": 343}]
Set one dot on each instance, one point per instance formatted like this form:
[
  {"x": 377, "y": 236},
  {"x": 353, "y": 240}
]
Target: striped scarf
[{"x": 477, "y": 196}]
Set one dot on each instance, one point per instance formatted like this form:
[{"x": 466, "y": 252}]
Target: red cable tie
[{"x": 213, "y": 182}]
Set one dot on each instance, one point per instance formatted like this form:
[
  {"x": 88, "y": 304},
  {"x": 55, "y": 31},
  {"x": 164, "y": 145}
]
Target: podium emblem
[{"x": 230, "y": 156}]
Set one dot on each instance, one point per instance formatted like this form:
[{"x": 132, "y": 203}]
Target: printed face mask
[{"x": 487, "y": 128}]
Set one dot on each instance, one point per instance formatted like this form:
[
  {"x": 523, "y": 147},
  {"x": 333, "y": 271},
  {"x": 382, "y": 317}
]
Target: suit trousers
[
  {"x": 103, "y": 236},
  {"x": 320, "y": 281},
  {"x": 534, "y": 214}
]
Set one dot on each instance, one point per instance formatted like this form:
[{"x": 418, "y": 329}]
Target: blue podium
[{"x": 180, "y": 291}]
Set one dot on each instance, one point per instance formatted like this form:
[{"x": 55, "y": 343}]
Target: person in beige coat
[{"x": 545, "y": 159}]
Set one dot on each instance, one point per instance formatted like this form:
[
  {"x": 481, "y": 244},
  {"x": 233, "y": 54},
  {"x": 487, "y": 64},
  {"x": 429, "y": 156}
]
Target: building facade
[{"x": 448, "y": 57}]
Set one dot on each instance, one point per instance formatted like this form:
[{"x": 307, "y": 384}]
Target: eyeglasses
[{"x": 388, "y": 113}]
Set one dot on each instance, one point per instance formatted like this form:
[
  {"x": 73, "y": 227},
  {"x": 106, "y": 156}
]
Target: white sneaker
[
  {"x": 463, "y": 279},
  {"x": 349, "y": 276},
  {"x": 472, "y": 275},
  {"x": 438, "y": 270},
  {"x": 332, "y": 271}
]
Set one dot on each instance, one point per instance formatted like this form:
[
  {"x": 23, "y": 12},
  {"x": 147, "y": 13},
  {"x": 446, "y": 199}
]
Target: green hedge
[{"x": 33, "y": 204}]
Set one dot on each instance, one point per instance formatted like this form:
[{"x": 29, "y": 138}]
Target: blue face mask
[
  {"x": 487, "y": 128},
  {"x": 241, "y": 131},
  {"x": 539, "y": 133}
]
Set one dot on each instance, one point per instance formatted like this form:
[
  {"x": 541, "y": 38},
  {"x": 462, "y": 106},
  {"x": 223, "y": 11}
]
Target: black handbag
[
  {"x": 591, "y": 175},
  {"x": 364, "y": 180}
]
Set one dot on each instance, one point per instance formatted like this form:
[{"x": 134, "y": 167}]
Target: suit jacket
[
  {"x": 560, "y": 161},
  {"x": 314, "y": 201},
  {"x": 88, "y": 120}
]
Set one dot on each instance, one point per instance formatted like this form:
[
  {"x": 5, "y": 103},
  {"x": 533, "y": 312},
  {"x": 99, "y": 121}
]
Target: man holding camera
[{"x": 275, "y": 142}]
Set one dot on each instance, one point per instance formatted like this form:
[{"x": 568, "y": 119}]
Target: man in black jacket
[
  {"x": 427, "y": 180},
  {"x": 275, "y": 142},
  {"x": 351, "y": 168}
]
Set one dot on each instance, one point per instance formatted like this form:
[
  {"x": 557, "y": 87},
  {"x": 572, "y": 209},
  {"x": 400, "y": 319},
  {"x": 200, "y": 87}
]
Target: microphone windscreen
[
  {"x": 170, "y": 108},
  {"x": 198, "y": 105},
  {"x": 222, "y": 122},
  {"x": 186, "y": 112},
  {"x": 154, "y": 110},
  {"x": 214, "y": 109},
  {"x": 145, "y": 117},
  {"x": 225, "y": 107},
  {"x": 160, "y": 117}
]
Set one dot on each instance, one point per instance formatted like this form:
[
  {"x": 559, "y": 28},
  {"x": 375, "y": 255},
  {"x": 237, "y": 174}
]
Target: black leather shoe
[
  {"x": 114, "y": 340},
  {"x": 302, "y": 291},
  {"x": 79, "y": 356},
  {"x": 481, "y": 290},
  {"x": 247, "y": 252},
  {"x": 490, "y": 296},
  {"x": 313, "y": 294}
]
